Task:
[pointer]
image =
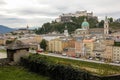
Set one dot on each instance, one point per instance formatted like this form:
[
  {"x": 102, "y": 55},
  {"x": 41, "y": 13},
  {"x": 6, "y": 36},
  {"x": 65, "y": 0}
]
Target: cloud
[
  {"x": 17, "y": 13},
  {"x": 2, "y": 2}
]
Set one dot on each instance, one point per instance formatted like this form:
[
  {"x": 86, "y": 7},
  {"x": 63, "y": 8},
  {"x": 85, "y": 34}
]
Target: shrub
[{"x": 58, "y": 71}]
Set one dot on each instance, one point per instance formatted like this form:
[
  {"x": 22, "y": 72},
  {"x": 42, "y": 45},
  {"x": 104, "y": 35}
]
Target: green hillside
[
  {"x": 59, "y": 27},
  {"x": 72, "y": 26}
]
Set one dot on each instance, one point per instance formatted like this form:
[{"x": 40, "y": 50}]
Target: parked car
[
  {"x": 116, "y": 62},
  {"x": 64, "y": 54},
  {"x": 91, "y": 58},
  {"x": 39, "y": 51}
]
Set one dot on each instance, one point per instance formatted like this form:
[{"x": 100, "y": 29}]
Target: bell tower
[
  {"x": 106, "y": 26},
  {"x": 66, "y": 32}
]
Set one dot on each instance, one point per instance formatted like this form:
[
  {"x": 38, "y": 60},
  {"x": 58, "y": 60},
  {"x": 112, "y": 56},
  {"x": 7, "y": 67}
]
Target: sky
[{"x": 20, "y": 13}]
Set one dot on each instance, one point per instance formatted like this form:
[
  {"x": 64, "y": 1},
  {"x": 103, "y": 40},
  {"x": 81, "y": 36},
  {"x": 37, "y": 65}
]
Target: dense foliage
[
  {"x": 59, "y": 27},
  {"x": 58, "y": 70},
  {"x": 116, "y": 43},
  {"x": 72, "y": 26},
  {"x": 43, "y": 44},
  {"x": 55, "y": 71},
  {"x": 115, "y": 25},
  {"x": 8, "y": 42}
]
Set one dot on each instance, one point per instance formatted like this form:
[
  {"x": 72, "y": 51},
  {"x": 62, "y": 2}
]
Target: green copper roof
[{"x": 85, "y": 23}]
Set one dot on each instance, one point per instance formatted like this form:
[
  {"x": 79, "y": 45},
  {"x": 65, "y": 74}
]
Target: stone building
[
  {"x": 116, "y": 53},
  {"x": 71, "y": 52},
  {"x": 79, "y": 47},
  {"x": 55, "y": 45},
  {"x": 2, "y": 41},
  {"x": 108, "y": 55},
  {"x": 67, "y": 17},
  {"x": 108, "y": 42},
  {"x": 16, "y": 50},
  {"x": 88, "y": 45},
  {"x": 85, "y": 30},
  {"x": 99, "y": 49}
]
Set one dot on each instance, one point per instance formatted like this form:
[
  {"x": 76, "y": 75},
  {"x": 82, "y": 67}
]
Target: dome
[{"x": 85, "y": 23}]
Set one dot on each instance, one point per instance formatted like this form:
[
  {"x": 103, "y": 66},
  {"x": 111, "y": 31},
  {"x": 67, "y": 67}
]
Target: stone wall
[
  {"x": 19, "y": 54},
  {"x": 4, "y": 61}
]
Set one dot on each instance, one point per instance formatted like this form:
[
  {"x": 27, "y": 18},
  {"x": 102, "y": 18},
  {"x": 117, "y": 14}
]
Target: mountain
[{"x": 5, "y": 29}]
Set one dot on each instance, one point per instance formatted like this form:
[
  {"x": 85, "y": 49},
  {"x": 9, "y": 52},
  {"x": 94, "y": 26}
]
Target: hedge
[{"x": 58, "y": 71}]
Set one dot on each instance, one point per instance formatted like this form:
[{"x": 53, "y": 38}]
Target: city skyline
[{"x": 19, "y": 14}]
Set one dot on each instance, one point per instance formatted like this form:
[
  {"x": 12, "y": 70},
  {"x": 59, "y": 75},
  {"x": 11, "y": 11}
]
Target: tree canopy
[
  {"x": 72, "y": 26},
  {"x": 43, "y": 44}
]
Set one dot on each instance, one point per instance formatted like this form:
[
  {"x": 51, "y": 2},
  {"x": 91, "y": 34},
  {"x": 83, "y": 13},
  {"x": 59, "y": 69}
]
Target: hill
[
  {"x": 59, "y": 26},
  {"x": 75, "y": 24},
  {"x": 5, "y": 29}
]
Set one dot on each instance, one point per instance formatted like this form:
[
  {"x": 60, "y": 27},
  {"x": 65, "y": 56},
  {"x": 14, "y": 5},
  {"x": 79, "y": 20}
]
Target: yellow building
[
  {"x": 37, "y": 38},
  {"x": 2, "y": 42},
  {"x": 65, "y": 44},
  {"x": 108, "y": 55},
  {"x": 88, "y": 47},
  {"x": 78, "y": 48},
  {"x": 55, "y": 45},
  {"x": 32, "y": 39},
  {"x": 108, "y": 42}
]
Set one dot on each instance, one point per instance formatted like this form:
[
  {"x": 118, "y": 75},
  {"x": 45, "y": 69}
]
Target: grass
[
  {"x": 3, "y": 51},
  {"x": 94, "y": 68},
  {"x": 18, "y": 73}
]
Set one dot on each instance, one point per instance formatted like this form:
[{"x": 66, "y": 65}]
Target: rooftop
[{"x": 17, "y": 45}]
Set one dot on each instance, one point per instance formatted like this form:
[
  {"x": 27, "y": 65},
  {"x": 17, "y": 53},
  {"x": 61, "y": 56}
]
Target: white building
[
  {"x": 116, "y": 53},
  {"x": 67, "y": 17}
]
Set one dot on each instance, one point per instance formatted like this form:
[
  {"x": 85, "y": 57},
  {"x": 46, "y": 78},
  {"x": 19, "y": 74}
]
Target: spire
[
  {"x": 106, "y": 19},
  {"x": 85, "y": 19},
  {"x": 65, "y": 27},
  {"x": 66, "y": 31},
  {"x": 27, "y": 27},
  {"x": 106, "y": 26}
]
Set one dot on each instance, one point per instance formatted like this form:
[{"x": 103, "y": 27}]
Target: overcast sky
[{"x": 19, "y": 13}]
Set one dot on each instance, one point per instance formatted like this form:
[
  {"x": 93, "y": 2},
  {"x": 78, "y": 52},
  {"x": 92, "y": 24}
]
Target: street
[{"x": 66, "y": 57}]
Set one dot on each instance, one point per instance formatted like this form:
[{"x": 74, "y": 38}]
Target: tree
[
  {"x": 8, "y": 42},
  {"x": 110, "y": 19},
  {"x": 43, "y": 44},
  {"x": 59, "y": 27},
  {"x": 101, "y": 23}
]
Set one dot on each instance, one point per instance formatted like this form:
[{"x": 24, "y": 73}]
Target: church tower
[
  {"x": 106, "y": 26},
  {"x": 66, "y": 32}
]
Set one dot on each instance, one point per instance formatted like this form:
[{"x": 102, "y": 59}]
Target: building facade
[
  {"x": 89, "y": 45},
  {"x": 116, "y": 53},
  {"x": 55, "y": 45},
  {"x": 106, "y": 26},
  {"x": 2, "y": 41},
  {"x": 79, "y": 48},
  {"x": 108, "y": 55},
  {"x": 67, "y": 17}
]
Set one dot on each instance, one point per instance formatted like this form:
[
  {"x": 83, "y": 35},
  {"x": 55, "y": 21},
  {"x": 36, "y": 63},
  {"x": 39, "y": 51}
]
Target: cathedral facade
[{"x": 86, "y": 30}]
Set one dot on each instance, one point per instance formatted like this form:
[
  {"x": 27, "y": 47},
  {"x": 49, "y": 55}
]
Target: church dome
[{"x": 85, "y": 25}]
